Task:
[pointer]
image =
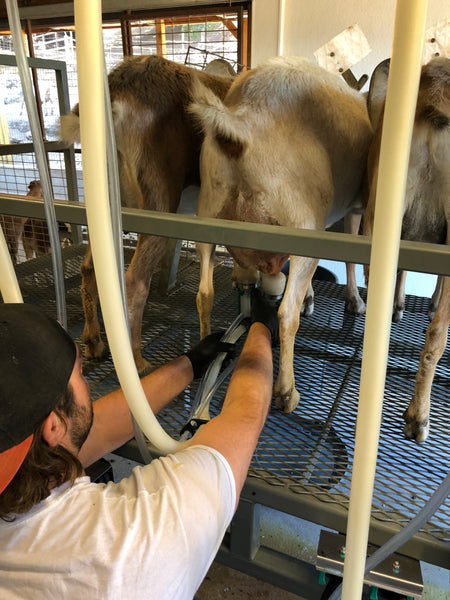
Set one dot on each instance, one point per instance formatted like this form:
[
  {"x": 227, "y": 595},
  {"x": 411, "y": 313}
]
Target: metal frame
[
  {"x": 413, "y": 256},
  {"x": 64, "y": 107},
  {"x": 243, "y": 547}
]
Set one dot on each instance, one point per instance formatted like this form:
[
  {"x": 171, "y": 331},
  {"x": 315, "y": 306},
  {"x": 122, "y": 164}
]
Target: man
[{"x": 152, "y": 535}]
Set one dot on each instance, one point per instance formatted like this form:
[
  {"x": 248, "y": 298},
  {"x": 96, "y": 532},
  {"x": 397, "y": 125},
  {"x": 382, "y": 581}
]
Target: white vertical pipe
[
  {"x": 9, "y": 286},
  {"x": 394, "y": 156},
  {"x": 281, "y": 24},
  {"x": 90, "y": 61}
]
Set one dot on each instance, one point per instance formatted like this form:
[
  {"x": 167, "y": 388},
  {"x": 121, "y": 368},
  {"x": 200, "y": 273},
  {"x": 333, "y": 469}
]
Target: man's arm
[
  {"x": 112, "y": 426},
  {"x": 235, "y": 431}
]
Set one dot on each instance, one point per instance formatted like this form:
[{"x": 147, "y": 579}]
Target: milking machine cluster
[{"x": 272, "y": 286}]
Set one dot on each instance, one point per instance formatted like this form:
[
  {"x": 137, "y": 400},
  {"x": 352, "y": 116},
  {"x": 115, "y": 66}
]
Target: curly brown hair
[{"x": 44, "y": 468}]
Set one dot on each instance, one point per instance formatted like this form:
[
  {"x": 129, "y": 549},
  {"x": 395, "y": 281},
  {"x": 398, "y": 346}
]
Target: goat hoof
[
  {"x": 143, "y": 367},
  {"x": 307, "y": 308},
  {"x": 94, "y": 349},
  {"x": 415, "y": 430},
  {"x": 397, "y": 315},
  {"x": 287, "y": 402},
  {"x": 355, "y": 306}
]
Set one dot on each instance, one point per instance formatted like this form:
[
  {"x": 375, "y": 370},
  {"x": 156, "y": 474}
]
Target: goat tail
[
  {"x": 69, "y": 127},
  {"x": 226, "y": 125}
]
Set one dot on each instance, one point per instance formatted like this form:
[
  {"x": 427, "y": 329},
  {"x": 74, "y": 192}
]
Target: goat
[
  {"x": 288, "y": 146},
  {"x": 35, "y": 237},
  {"x": 426, "y": 218},
  {"x": 33, "y": 233},
  {"x": 15, "y": 227},
  {"x": 158, "y": 146}
]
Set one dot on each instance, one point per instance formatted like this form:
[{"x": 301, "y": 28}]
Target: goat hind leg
[
  {"x": 307, "y": 307},
  {"x": 94, "y": 346},
  {"x": 435, "y": 297},
  {"x": 354, "y": 304},
  {"x": 149, "y": 250},
  {"x": 417, "y": 413},
  {"x": 205, "y": 294},
  {"x": 399, "y": 297},
  {"x": 301, "y": 271}
]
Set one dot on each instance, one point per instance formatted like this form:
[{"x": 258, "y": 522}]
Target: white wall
[{"x": 309, "y": 24}]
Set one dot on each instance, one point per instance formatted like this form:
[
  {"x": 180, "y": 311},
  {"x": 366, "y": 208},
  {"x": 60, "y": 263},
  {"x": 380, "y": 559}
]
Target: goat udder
[{"x": 266, "y": 262}]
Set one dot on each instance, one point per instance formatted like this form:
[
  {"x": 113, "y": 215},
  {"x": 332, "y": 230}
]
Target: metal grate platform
[{"x": 304, "y": 459}]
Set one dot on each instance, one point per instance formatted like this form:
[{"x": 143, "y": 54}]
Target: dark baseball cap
[{"x": 37, "y": 357}]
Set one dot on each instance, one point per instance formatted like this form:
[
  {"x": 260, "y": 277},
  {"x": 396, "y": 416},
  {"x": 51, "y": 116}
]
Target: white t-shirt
[{"x": 151, "y": 536}]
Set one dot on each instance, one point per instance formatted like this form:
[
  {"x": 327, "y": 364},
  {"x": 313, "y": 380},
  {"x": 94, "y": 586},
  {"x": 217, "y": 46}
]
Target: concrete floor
[{"x": 223, "y": 583}]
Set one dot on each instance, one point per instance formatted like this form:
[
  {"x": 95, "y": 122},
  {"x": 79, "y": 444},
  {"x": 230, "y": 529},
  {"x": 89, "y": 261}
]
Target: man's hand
[
  {"x": 264, "y": 312},
  {"x": 203, "y": 353}
]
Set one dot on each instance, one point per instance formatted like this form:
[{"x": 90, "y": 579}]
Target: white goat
[
  {"x": 426, "y": 218},
  {"x": 288, "y": 146}
]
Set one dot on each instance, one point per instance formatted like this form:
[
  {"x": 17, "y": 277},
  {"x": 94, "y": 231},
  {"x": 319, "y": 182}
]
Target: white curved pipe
[
  {"x": 393, "y": 166},
  {"x": 90, "y": 62},
  {"x": 9, "y": 286},
  {"x": 116, "y": 224}
]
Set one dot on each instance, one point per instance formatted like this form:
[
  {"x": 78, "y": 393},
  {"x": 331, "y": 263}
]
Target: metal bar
[
  {"x": 334, "y": 516},
  {"x": 6, "y": 149},
  {"x": 276, "y": 568},
  {"x": 34, "y": 75},
  {"x": 69, "y": 152},
  {"x": 38, "y": 63},
  {"x": 245, "y": 530},
  {"x": 325, "y": 514},
  {"x": 397, "y": 573},
  {"x": 44, "y": 16},
  {"x": 60, "y": 70},
  {"x": 44, "y": 174},
  {"x": 414, "y": 256}
]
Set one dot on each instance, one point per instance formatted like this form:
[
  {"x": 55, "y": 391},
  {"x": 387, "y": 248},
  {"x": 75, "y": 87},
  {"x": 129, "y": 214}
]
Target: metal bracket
[
  {"x": 192, "y": 426},
  {"x": 397, "y": 573}
]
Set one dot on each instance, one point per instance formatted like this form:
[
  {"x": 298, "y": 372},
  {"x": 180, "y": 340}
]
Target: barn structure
[{"x": 290, "y": 526}]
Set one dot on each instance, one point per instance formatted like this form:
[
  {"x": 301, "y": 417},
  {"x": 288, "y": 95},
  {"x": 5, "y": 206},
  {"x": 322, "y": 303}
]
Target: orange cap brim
[{"x": 11, "y": 461}]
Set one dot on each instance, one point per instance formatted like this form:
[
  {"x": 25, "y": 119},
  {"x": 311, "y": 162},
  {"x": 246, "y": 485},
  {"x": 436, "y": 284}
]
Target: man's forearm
[
  {"x": 113, "y": 427},
  {"x": 235, "y": 431},
  {"x": 165, "y": 383}
]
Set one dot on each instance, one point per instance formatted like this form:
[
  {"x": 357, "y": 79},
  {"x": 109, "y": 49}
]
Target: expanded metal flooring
[{"x": 303, "y": 461}]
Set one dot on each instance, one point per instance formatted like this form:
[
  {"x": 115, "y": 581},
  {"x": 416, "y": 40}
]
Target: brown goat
[
  {"x": 32, "y": 232},
  {"x": 15, "y": 228},
  {"x": 426, "y": 218},
  {"x": 158, "y": 146}
]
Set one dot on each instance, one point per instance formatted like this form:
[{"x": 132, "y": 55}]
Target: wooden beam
[
  {"x": 127, "y": 43},
  {"x": 230, "y": 25},
  {"x": 161, "y": 48}
]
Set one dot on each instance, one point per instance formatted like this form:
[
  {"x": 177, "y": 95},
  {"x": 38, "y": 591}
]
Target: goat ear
[{"x": 230, "y": 147}]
